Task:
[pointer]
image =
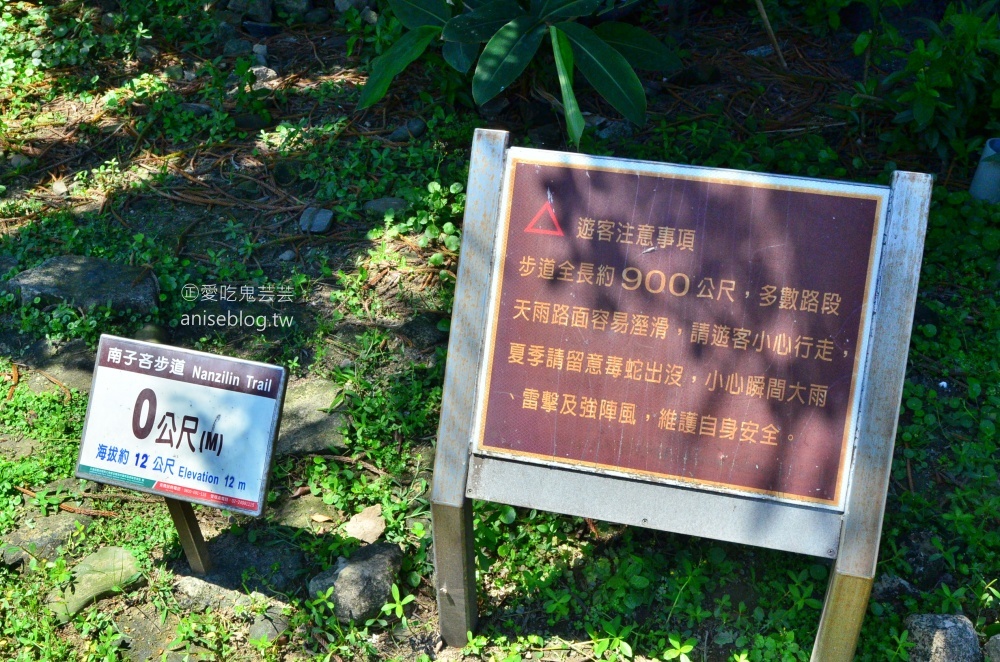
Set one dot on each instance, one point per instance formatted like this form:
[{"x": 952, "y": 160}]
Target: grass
[{"x": 550, "y": 585}]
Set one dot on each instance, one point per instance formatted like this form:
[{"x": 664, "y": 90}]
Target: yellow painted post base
[{"x": 843, "y": 612}]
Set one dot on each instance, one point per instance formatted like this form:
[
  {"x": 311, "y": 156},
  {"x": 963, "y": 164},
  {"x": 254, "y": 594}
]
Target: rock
[
  {"x": 992, "y": 649},
  {"x": 109, "y": 21},
  {"x": 260, "y": 53},
  {"x": 304, "y": 427},
  {"x": 196, "y": 109},
  {"x": 368, "y": 16},
  {"x": 942, "y": 638},
  {"x": 146, "y": 54},
  {"x": 260, "y": 30},
  {"x": 306, "y": 512},
  {"x": 380, "y": 206},
  {"x": 88, "y": 281},
  {"x": 59, "y": 187},
  {"x": 344, "y": 5},
  {"x": 225, "y": 30},
  {"x": 148, "y": 637},
  {"x": 72, "y": 364},
  {"x": 316, "y": 220},
  {"x": 287, "y": 256},
  {"x": 260, "y": 10},
  {"x": 7, "y": 262},
  {"x": 251, "y": 122},
  {"x": 293, "y": 7},
  {"x": 18, "y": 160},
  {"x": 41, "y": 540},
  {"x": 414, "y": 128},
  {"x": 236, "y": 47},
  {"x": 197, "y": 594},
  {"x": 270, "y": 567},
  {"x": 362, "y": 584},
  {"x": 316, "y": 16},
  {"x": 762, "y": 51},
  {"x": 153, "y": 333},
  {"x": 367, "y": 525},
  {"x": 269, "y": 626},
  {"x": 106, "y": 572},
  {"x": 615, "y": 131},
  {"x": 891, "y": 587},
  {"x": 263, "y": 75}
]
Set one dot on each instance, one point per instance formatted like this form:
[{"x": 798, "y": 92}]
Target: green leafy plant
[
  {"x": 901, "y": 646},
  {"x": 397, "y": 605},
  {"x": 512, "y": 35},
  {"x": 679, "y": 648},
  {"x": 949, "y": 84},
  {"x": 610, "y": 643}
]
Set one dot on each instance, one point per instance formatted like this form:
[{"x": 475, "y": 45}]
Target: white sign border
[{"x": 272, "y": 440}]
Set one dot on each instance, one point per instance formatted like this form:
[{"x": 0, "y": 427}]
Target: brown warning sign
[{"x": 670, "y": 327}]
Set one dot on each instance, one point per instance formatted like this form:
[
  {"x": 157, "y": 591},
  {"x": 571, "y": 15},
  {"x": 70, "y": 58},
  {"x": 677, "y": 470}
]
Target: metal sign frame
[{"x": 850, "y": 535}]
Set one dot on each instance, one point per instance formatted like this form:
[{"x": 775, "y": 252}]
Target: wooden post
[
  {"x": 896, "y": 295},
  {"x": 182, "y": 512},
  {"x": 451, "y": 511},
  {"x": 185, "y": 521}
]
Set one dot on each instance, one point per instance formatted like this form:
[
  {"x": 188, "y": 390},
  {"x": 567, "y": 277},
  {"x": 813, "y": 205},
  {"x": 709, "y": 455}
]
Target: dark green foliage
[{"x": 512, "y": 34}]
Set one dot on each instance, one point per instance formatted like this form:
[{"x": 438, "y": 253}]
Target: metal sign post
[
  {"x": 189, "y": 426},
  {"x": 630, "y": 333}
]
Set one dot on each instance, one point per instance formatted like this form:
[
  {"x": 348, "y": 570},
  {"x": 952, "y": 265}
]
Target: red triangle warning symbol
[{"x": 538, "y": 223}]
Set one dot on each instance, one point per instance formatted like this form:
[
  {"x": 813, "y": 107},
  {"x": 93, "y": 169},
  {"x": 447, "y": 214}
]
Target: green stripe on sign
[{"x": 98, "y": 473}]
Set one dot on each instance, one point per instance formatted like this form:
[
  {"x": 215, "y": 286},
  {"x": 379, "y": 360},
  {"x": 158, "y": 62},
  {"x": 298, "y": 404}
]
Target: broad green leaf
[
  {"x": 479, "y": 25},
  {"x": 641, "y": 49},
  {"x": 415, "y": 14},
  {"x": 923, "y": 110},
  {"x": 548, "y": 10},
  {"x": 607, "y": 70},
  {"x": 862, "y": 42},
  {"x": 386, "y": 66},
  {"x": 563, "y": 53},
  {"x": 460, "y": 56},
  {"x": 506, "y": 55}
]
